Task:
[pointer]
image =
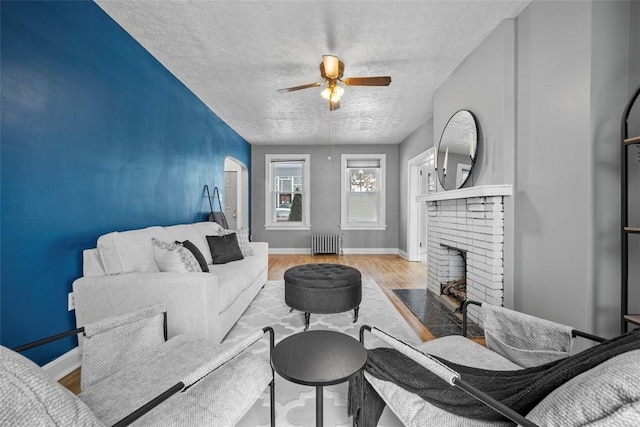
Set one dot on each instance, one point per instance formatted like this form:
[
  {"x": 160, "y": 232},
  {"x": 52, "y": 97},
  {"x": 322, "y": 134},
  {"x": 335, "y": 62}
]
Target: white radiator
[{"x": 326, "y": 244}]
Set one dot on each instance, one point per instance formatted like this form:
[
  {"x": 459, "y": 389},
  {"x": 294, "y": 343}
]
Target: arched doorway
[{"x": 236, "y": 193}]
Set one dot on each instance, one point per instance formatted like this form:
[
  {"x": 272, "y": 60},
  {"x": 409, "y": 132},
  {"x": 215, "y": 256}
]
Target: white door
[{"x": 231, "y": 199}]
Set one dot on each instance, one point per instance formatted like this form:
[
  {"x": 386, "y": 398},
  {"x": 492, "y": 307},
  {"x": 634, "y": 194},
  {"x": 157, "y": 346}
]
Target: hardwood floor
[{"x": 389, "y": 271}]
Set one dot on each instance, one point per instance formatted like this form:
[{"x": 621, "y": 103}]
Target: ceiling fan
[{"x": 332, "y": 70}]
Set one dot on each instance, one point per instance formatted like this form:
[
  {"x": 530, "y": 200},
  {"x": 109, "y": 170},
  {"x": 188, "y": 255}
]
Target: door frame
[
  {"x": 413, "y": 211},
  {"x": 242, "y": 202}
]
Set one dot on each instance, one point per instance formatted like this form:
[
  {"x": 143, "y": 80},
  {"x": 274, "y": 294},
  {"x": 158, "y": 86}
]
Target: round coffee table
[
  {"x": 323, "y": 289},
  {"x": 318, "y": 358}
]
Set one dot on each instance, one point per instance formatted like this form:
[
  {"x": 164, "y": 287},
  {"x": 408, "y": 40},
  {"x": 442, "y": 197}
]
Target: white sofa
[{"x": 121, "y": 275}]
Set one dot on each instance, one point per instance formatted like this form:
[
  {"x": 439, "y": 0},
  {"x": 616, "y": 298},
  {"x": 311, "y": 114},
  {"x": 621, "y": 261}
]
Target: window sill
[
  {"x": 287, "y": 227},
  {"x": 362, "y": 227}
]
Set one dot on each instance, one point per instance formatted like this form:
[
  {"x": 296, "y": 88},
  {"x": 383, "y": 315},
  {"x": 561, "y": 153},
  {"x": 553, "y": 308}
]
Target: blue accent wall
[{"x": 96, "y": 136}]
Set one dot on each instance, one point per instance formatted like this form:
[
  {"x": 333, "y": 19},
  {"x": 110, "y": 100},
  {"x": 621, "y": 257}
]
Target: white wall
[
  {"x": 572, "y": 84},
  {"x": 548, "y": 91}
]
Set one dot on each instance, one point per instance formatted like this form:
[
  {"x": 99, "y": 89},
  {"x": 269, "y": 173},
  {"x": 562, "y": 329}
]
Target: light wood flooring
[{"x": 388, "y": 271}]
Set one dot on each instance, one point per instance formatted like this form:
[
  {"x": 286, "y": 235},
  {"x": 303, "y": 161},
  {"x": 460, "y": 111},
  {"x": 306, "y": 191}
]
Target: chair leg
[
  {"x": 307, "y": 318},
  {"x": 272, "y": 392},
  {"x": 355, "y": 314}
]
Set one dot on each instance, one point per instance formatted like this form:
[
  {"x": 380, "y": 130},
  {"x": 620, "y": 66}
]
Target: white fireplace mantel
[{"x": 465, "y": 193}]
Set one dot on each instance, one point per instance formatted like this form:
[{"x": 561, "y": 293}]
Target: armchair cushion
[
  {"x": 524, "y": 339},
  {"x": 203, "y": 404},
  {"x": 112, "y": 343},
  {"x": 522, "y": 390},
  {"x": 606, "y": 395},
  {"x": 29, "y": 397},
  {"x": 413, "y": 410}
]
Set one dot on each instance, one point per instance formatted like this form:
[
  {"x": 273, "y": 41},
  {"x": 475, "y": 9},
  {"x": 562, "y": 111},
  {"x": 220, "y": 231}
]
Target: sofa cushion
[
  {"x": 224, "y": 248},
  {"x": 174, "y": 257},
  {"x": 196, "y": 253},
  {"x": 606, "y": 395},
  {"x": 130, "y": 251},
  {"x": 29, "y": 397}
]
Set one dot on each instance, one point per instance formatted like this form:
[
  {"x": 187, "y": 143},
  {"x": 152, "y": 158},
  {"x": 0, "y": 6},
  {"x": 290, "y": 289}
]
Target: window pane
[
  {"x": 288, "y": 207},
  {"x": 363, "y": 180},
  {"x": 362, "y": 207},
  {"x": 287, "y": 176},
  {"x": 296, "y": 208}
]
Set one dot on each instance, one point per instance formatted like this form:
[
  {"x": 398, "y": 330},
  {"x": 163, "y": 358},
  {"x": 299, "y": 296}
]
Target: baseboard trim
[
  {"x": 289, "y": 251},
  {"x": 346, "y": 251},
  {"x": 371, "y": 251},
  {"x": 403, "y": 255},
  {"x": 63, "y": 365}
]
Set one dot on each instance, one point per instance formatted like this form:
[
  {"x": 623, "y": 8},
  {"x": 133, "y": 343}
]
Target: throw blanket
[{"x": 521, "y": 390}]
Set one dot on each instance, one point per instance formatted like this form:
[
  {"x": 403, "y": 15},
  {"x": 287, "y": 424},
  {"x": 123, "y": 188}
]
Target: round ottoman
[{"x": 323, "y": 289}]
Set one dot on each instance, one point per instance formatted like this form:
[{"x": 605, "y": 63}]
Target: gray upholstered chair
[
  {"x": 607, "y": 394},
  {"x": 132, "y": 374}
]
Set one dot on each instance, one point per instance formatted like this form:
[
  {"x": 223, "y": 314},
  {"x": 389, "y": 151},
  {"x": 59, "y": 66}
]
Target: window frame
[
  {"x": 270, "y": 222},
  {"x": 381, "y": 224}
]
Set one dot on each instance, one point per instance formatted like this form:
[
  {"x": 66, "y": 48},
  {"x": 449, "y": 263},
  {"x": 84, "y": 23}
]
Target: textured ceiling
[{"x": 234, "y": 55}]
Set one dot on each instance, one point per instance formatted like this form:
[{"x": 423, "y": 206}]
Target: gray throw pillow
[
  {"x": 225, "y": 248},
  {"x": 243, "y": 240}
]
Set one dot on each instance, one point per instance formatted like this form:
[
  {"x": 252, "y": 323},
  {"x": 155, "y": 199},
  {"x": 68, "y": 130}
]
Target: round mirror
[{"x": 457, "y": 150}]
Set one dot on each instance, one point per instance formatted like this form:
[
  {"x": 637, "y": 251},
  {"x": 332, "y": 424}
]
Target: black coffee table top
[{"x": 318, "y": 358}]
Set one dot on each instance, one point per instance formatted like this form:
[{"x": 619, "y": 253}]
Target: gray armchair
[
  {"x": 606, "y": 392},
  {"x": 132, "y": 375}
]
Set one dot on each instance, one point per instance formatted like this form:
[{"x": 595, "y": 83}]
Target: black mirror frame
[{"x": 475, "y": 153}]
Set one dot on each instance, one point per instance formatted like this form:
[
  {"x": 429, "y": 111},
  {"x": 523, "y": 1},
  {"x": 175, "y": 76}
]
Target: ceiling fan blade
[
  {"x": 334, "y": 105},
  {"x": 368, "y": 81},
  {"x": 291, "y": 89}
]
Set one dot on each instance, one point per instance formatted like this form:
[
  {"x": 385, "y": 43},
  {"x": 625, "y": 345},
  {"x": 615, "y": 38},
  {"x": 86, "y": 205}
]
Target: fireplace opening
[{"x": 453, "y": 290}]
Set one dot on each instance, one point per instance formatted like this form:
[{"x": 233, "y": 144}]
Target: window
[
  {"x": 363, "y": 192},
  {"x": 287, "y": 192}
]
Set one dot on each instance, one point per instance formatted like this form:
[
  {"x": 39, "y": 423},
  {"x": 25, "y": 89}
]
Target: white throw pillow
[
  {"x": 606, "y": 395},
  {"x": 243, "y": 240},
  {"x": 174, "y": 257}
]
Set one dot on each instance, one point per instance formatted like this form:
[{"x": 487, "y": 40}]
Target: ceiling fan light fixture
[
  {"x": 326, "y": 93},
  {"x": 332, "y": 93},
  {"x": 331, "y": 66},
  {"x": 336, "y": 94}
]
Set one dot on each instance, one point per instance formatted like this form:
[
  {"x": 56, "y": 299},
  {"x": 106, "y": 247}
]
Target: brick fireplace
[{"x": 467, "y": 222}]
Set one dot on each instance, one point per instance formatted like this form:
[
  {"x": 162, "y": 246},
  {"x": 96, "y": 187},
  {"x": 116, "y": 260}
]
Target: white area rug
[{"x": 295, "y": 404}]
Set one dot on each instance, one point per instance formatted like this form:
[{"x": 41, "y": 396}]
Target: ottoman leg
[
  {"x": 355, "y": 314},
  {"x": 307, "y": 317}
]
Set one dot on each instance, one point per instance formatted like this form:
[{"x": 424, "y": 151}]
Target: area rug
[
  {"x": 433, "y": 313},
  {"x": 295, "y": 404}
]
